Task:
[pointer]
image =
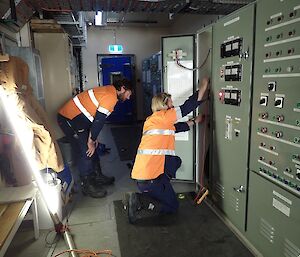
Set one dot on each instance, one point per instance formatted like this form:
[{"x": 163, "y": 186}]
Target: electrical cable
[
  {"x": 191, "y": 69},
  {"x": 88, "y": 253},
  {"x": 204, "y": 144},
  {"x": 55, "y": 240},
  {"x": 203, "y": 192}
]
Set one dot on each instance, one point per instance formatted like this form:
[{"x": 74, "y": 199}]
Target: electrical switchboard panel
[
  {"x": 151, "y": 81},
  {"x": 147, "y": 91},
  {"x": 155, "y": 73},
  {"x": 275, "y": 132},
  {"x": 273, "y": 218},
  {"x": 231, "y": 92},
  {"x": 275, "y": 151}
]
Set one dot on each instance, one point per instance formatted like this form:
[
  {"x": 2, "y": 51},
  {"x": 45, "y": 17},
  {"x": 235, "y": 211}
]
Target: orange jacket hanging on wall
[
  {"x": 88, "y": 102},
  {"x": 157, "y": 141}
]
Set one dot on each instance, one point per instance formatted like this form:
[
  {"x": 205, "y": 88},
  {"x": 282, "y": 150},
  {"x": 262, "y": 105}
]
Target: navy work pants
[
  {"x": 78, "y": 140},
  {"x": 160, "y": 188}
]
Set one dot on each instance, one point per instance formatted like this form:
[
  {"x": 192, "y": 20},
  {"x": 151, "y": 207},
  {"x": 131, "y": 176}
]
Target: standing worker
[
  {"x": 156, "y": 162},
  {"x": 81, "y": 119}
]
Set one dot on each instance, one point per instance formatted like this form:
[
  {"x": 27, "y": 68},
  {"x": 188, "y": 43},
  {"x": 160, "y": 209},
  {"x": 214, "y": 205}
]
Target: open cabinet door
[{"x": 179, "y": 82}]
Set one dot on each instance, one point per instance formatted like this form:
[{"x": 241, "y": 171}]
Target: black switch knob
[
  {"x": 278, "y": 102},
  {"x": 272, "y": 85},
  {"x": 262, "y": 101}
]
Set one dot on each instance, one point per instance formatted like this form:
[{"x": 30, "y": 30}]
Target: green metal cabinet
[
  {"x": 231, "y": 96},
  {"x": 273, "y": 219}
]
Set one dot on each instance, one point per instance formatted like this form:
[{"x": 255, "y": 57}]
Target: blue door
[{"x": 114, "y": 68}]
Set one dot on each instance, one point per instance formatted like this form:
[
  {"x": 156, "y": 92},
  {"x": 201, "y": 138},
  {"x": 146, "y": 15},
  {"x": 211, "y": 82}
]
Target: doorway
[{"x": 110, "y": 69}]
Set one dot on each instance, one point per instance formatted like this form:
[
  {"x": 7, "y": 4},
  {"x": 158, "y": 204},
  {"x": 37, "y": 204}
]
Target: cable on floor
[
  {"x": 88, "y": 253},
  {"x": 54, "y": 241}
]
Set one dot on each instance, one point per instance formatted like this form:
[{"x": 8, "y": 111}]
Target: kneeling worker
[
  {"x": 156, "y": 162},
  {"x": 81, "y": 119}
]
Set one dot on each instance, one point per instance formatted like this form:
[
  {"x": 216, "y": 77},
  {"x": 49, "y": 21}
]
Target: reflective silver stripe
[
  {"x": 82, "y": 109},
  {"x": 93, "y": 98},
  {"x": 167, "y": 132},
  {"x": 156, "y": 151},
  {"x": 96, "y": 103},
  {"x": 178, "y": 113},
  {"x": 103, "y": 110}
]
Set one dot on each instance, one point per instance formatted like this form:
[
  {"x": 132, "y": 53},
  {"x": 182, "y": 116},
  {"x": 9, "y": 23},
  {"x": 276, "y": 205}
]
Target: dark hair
[{"x": 123, "y": 83}]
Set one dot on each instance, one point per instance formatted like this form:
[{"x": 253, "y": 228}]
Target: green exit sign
[{"x": 115, "y": 49}]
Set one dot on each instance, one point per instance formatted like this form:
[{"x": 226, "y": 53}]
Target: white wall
[
  {"x": 191, "y": 23},
  {"x": 140, "y": 41},
  {"x": 25, "y": 37}
]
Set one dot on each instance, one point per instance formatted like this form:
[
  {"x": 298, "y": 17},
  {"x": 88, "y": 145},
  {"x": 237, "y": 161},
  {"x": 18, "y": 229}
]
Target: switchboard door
[
  {"x": 204, "y": 69},
  {"x": 275, "y": 145},
  {"x": 231, "y": 95},
  {"x": 273, "y": 220},
  {"x": 179, "y": 82},
  {"x": 273, "y": 213}
]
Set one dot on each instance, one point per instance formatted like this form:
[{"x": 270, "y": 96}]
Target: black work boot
[
  {"x": 133, "y": 206},
  {"x": 125, "y": 200},
  {"x": 88, "y": 188},
  {"x": 141, "y": 206},
  {"x": 99, "y": 177}
]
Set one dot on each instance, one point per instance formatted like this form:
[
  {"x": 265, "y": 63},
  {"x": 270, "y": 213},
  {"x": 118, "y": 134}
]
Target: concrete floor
[{"x": 91, "y": 221}]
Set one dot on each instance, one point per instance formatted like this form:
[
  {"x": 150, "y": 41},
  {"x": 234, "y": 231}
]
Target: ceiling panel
[{"x": 66, "y": 10}]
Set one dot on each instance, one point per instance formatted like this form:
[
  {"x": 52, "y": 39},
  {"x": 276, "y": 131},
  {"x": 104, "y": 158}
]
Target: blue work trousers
[
  {"x": 160, "y": 188},
  {"x": 78, "y": 140}
]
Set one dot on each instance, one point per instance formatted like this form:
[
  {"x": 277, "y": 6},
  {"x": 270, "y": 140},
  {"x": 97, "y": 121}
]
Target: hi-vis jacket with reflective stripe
[
  {"x": 88, "y": 102},
  {"x": 157, "y": 141}
]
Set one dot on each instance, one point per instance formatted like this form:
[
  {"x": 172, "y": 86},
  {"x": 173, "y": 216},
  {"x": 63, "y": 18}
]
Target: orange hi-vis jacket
[
  {"x": 157, "y": 141},
  {"x": 88, "y": 102}
]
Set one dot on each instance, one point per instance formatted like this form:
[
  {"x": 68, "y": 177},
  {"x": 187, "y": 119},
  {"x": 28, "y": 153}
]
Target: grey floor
[{"x": 91, "y": 221}]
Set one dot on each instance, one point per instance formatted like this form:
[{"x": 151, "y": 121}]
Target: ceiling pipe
[
  {"x": 13, "y": 10},
  {"x": 178, "y": 8}
]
